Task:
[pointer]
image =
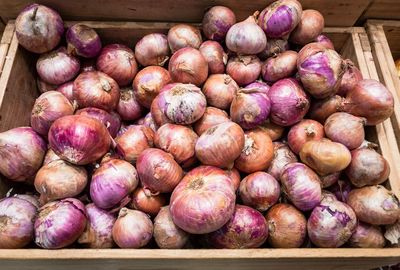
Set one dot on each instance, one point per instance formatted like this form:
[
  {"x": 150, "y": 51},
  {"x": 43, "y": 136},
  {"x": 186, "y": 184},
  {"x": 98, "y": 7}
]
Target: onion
[
  {"x": 304, "y": 131},
  {"x": 79, "y": 139},
  {"x": 215, "y": 56},
  {"x": 67, "y": 89},
  {"x": 211, "y": 117},
  {"x": 30, "y": 198},
  {"x": 331, "y": 224},
  {"x": 143, "y": 200},
  {"x": 49, "y": 107},
  {"x": 148, "y": 121},
  {"x": 133, "y": 229},
  {"x": 274, "y": 131},
  {"x": 98, "y": 232},
  {"x": 341, "y": 189},
  {"x": 246, "y": 37},
  {"x": 57, "y": 67},
  {"x": 59, "y": 180},
  {"x": 220, "y": 145},
  {"x": 166, "y": 233},
  {"x": 262, "y": 86},
  {"x": 282, "y": 156},
  {"x": 321, "y": 109},
  {"x": 217, "y": 21},
  {"x": 325, "y": 41},
  {"x": 274, "y": 47},
  {"x": 289, "y": 102},
  {"x": 247, "y": 228},
  {"x": 220, "y": 89},
  {"x": 152, "y": 50},
  {"x": 158, "y": 171},
  {"x": 257, "y": 152},
  {"x": 329, "y": 179},
  {"x": 110, "y": 120},
  {"x": 287, "y": 226},
  {"x": 244, "y": 69},
  {"x": 112, "y": 182},
  {"x": 39, "y": 28},
  {"x": 128, "y": 106},
  {"x": 374, "y": 205},
  {"x": 392, "y": 233},
  {"x": 182, "y": 36},
  {"x": 370, "y": 99},
  {"x": 309, "y": 28},
  {"x": 367, "y": 167},
  {"x": 234, "y": 175},
  {"x": 203, "y": 201},
  {"x": 157, "y": 113},
  {"x": 320, "y": 70},
  {"x": 96, "y": 89},
  {"x": 21, "y": 152},
  {"x": 50, "y": 156},
  {"x": 351, "y": 77},
  {"x": 367, "y": 236},
  {"x": 83, "y": 40},
  {"x": 16, "y": 222},
  {"x": 134, "y": 141},
  {"x": 148, "y": 84},
  {"x": 301, "y": 185},
  {"x": 188, "y": 65},
  {"x": 279, "y": 66},
  {"x": 44, "y": 86},
  {"x": 60, "y": 223}
]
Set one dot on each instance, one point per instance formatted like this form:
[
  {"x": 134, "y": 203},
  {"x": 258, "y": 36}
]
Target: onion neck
[
  {"x": 33, "y": 17},
  {"x": 196, "y": 184}
]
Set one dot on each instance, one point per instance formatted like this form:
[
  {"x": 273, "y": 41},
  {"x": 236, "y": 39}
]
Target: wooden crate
[
  {"x": 17, "y": 94},
  {"x": 382, "y": 9}
]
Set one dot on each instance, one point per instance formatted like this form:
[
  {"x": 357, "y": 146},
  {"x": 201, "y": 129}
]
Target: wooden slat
[{"x": 382, "y": 9}]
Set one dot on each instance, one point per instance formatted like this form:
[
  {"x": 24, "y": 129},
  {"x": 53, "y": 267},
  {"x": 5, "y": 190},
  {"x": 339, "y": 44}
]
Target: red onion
[
  {"x": 16, "y": 222},
  {"x": 39, "y": 28},
  {"x": 96, "y": 89},
  {"x": 50, "y": 156},
  {"x": 264, "y": 87},
  {"x": 367, "y": 236},
  {"x": 112, "y": 182},
  {"x": 217, "y": 21},
  {"x": 79, "y": 139},
  {"x": 282, "y": 156},
  {"x": 57, "y": 67},
  {"x": 331, "y": 224},
  {"x": 309, "y": 28},
  {"x": 166, "y": 233},
  {"x": 128, "y": 106},
  {"x": 215, "y": 56},
  {"x": 60, "y": 223},
  {"x": 304, "y": 131},
  {"x": 148, "y": 84},
  {"x": 244, "y": 69},
  {"x": 21, "y": 152},
  {"x": 30, "y": 198},
  {"x": 257, "y": 152},
  {"x": 203, "y": 201},
  {"x": 326, "y": 42},
  {"x": 220, "y": 90},
  {"x": 374, "y": 205},
  {"x": 182, "y": 36},
  {"x": 44, "y": 86},
  {"x": 246, "y": 37},
  {"x": 287, "y": 226},
  {"x": 157, "y": 113},
  {"x": 188, "y": 65},
  {"x": 118, "y": 62},
  {"x": 220, "y": 145},
  {"x": 110, "y": 120},
  {"x": 211, "y": 117},
  {"x": 134, "y": 141},
  {"x": 329, "y": 179},
  {"x": 247, "y": 228},
  {"x": 133, "y": 229},
  {"x": 341, "y": 189},
  {"x": 152, "y": 50},
  {"x": 234, "y": 175},
  {"x": 67, "y": 89},
  {"x": 289, "y": 102},
  {"x": 321, "y": 109},
  {"x": 148, "y": 121},
  {"x": 274, "y": 131},
  {"x": 279, "y": 66},
  {"x": 351, "y": 77},
  {"x": 83, "y": 40},
  {"x": 143, "y": 200},
  {"x": 301, "y": 185},
  {"x": 49, "y": 107}
]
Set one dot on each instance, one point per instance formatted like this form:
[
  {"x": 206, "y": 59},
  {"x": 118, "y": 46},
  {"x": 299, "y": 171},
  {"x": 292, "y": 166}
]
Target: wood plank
[
  {"x": 382, "y": 9},
  {"x": 5, "y": 43}
]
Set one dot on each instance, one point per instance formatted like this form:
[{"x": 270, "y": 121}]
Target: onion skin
[
  {"x": 211, "y": 117},
  {"x": 220, "y": 89},
  {"x": 60, "y": 223},
  {"x": 330, "y": 179},
  {"x": 30, "y": 198},
  {"x": 367, "y": 236},
  {"x": 128, "y": 106},
  {"x": 220, "y": 145},
  {"x": 262, "y": 86},
  {"x": 217, "y": 21},
  {"x": 274, "y": 47},
  {"x": 44, "y": 86},
  {"x": 274, "y": 131},
  {"x": 148, "y": 121},
  {"x": 83, "y": 41},
  {"x": 287, "y": 226},
  {"x": 144, "y": 201},
  {"x": 133, "y": 229},
  {"x": 325, "y": 41},
  {"x": 166, "y": 234},
  {"x": 234, "y": 175},
  {"x": 351, "y": 77},
  {"x": 247, "y": 228},
  {"x": 49, "y": 157},
  {"x": 39, "y": 28},
  {"x": 282, "y": 156},
  {"x": 203, "y": 201},
  {"x": 152, "y": 50},
  {"x": 301, "y": 185},
  {"x": 215, "y": 56},
  {"x": 110, "y": 120},
  {"x": 374, "y": 205},
  {"x": 309, "y": 28},
  {"x": 67, "y": 90},
  {"x": 16, "y": 222},
  {"x": 244, "y": 69},
  {"x": 289, "y": 102},
  {"x": 304, "y": 131},
  {"x": 182, "y": 36},
  {"x": 157, "y": 113},
  {"x": 257, "y": 153},
  {"x": 341, "y": 189},
  {"x": 321, "y": 109},
  {"x": 280, "y": 66},
  {"x": 21, "y": 153},
  {"x": 392, "y": 234}
]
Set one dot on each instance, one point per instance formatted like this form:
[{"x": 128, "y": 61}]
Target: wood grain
[{"x": 382, "y": 9}]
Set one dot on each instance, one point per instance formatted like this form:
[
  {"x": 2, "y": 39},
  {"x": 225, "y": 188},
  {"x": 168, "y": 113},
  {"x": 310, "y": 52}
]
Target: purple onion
[
  {"x": 367, "y": 236},
  {"x": 262, "y": 86},
  {"x": 324, "y": 41},
  {"x": 30, "y": 198},
  {"x": 282, "y": 156},
  {"x": 83, "y": 40},
  {"x": 217, "y": 21},
  {"x": 152, "y": 50},
  {"x": 280, "y": 66},
  {"x": 215, "y": 56},
  {"x": 351, "y": 77},
  {"x": 67, "y": 89},
  {"x": 128, "y": 106},
  {"x": 274, "y": 47},
  {"x": 111, "y": 120},
  {"x": 341, "y": 189}
]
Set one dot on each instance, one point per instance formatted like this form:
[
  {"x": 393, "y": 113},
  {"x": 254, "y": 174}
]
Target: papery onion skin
[
  {"x": 157, "y": 113},
  {"x": 274, "y": 47},
  {"x": 341, "y": 189},
  {"x": 246, "y": 229},
  {"x": 351, "y": 77},
  {"x": 274, "y": 131},
  {"x": 330, "y": 179},
  {"x": 262, "y": 86},
  {"x": 304, "y": 131},
  {"x": 203, "y": 201},
  {"x": 301, "y": 185},
  {"x": 220, "y": 89},
  {"x": 217, "y": 21},
  {"x": 49, "y": 157},
  {"x": 152, "y": 50},
  {"x": 134, "y": 141},
  {"x": 367, "y": 236},
  {"x": 44, "y": 86},
  {"x": 244, "y": 69},
  {"x": 60, "y": 223},
  {"x": 374, "y": 205},
  {"x": 182, "y": 36},
  {"x": 220, "y": 145},
  {"x": 79, "y": 139},
  {"x": 392, "y": 234},
  {"x": 287, "y": 226},
  {"x": 98, "y": 232},
  {"x": 133, "y": 229},
  {"x": 83, "y": 41},
  {"x": 21, "y": 152},
  {"x": 282, "y": 156},
  {"x": 148, "y": 121},
  {"x": 110, "y": 120},
  {"x": 309, "y": 28},
  {"x": 234, "y": 175},
  {"x": 324, "y": 41},
  {"x": 67, "y": 89},
  {"x": 166, "y": 234},
  {"x": 321, "y": 109},
  {"x": 215, "y": 56},
  {"x": 30, "y": 198},
  {"x": 16, "y": 222},
  {"x": 128, "y": 106},
  {"x": 211, "y": 117},
  {"x": 280, "y": 66},
  {"x": 39, "y": 28},
  {"x": 144, "y": 201}
]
